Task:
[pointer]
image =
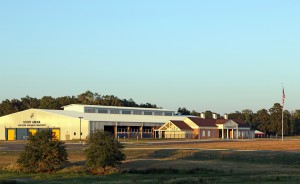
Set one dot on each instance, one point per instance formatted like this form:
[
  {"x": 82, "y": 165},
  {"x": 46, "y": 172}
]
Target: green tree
[
  {"x": 43, "y": 153},
  {"x": 29, "y": 102},
  {"x": 295, "y": 123},
  {"x": 208, "y": 114},
  {"x": 48, "y": 102},
  {"x": 263, "y": 120},
  {"x": 87, "y": 98},
  {"x": 148, "y": 105},
  {"x": 249, "y": 117},
  {"x": 235, "y": 115},
  {"x": 195, "y": 113},
  {"x": 275, "y": 120},
  {"x": 104, "y": 150},
  {"x": 183, "y": 111}
]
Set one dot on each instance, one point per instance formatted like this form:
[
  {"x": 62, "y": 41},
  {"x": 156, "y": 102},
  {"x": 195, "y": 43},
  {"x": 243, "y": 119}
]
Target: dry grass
[
  {"x": 8, "y": 158},
  {"x": 273, "y": 145}
]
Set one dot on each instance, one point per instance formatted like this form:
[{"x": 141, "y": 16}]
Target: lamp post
[{"x": 80, "y": 128}]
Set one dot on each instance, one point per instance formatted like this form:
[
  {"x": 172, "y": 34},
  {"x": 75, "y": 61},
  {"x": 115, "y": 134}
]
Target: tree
[
  {"x": 235, "y": 115},
  {"x": 29, "y": 102},
  {"x": 295, "y": 122},
  {"x": 208, "y": 114},
  {"x": 195, "y": 113},
  {"x": 263, "y": 120},
  {"x": 248, "y": 117},
  {"x": 87, "y": 98},
  {"x": 48, "y": 102},
  {"x": 183, "y": 111},
  {"x": 104, "y": 150},
  {"x": 43, "y": 153},
  {"x": 275, "y": 119}
]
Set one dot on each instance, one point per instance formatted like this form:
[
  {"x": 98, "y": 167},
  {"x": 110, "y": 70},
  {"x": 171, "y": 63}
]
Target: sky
[{"x": 217, "y": 55}]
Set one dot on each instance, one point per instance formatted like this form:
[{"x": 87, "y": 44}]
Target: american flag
[{"x": 283, "y": 97}]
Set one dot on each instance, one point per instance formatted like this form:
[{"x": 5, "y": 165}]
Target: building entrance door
[{"x": 11, "y": 134}]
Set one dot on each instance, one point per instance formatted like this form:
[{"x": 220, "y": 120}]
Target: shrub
[
  {"x": 43, "y": 153},
  {"x": 104, "y": 150}
]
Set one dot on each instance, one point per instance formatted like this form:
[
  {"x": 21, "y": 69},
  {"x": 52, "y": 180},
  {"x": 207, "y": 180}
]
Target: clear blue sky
[{"x": 214, "y": 55}]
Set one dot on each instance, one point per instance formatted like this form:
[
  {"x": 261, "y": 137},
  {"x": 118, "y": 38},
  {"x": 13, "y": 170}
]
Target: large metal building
[{"x": 75, "y": 122}]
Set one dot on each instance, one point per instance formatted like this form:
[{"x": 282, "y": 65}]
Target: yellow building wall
[
  {"x": 191, "y": 123},
  {"x": 175, "y": 135},
  {"x": 34, "y": 118}
]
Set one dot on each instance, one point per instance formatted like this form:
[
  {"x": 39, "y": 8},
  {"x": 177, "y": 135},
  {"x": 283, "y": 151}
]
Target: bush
[
  {"x": 104, "y": 150},
  {"x": 43, "y": 153}
]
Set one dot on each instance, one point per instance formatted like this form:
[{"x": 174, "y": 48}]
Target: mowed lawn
[{"x": 173, "y": 161}]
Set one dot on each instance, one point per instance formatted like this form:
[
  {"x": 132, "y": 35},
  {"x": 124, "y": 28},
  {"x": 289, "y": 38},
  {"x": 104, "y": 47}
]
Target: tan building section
[
  {"x": 202, "y": 128},
  {"x": 175, "y": 130}
]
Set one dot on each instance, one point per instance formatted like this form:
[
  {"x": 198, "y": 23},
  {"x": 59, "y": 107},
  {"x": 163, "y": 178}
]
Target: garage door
[
  {"x": 11, "y": 134},
  {"x": 32, "y": 131},
  {"x": 55, "y": 133}
]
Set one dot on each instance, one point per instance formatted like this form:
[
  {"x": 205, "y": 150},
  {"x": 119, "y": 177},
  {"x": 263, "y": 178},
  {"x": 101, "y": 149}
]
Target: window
[
  {"x": 102, "y": 111},
  {"x": 137, "y": 112},
  {"x": 208, "y": 133},
  {"x": 214, "y": 133},
  {"x": 158, "y": 113},
  {"x": 203, "y": 133},
  {"x": 168, "y": 114},
  {"x": 148, "y": 113},
  {"x": 115, "y": 111},
  {"x": 90, "y": 110},
  {"x": 126, "y": 112}
]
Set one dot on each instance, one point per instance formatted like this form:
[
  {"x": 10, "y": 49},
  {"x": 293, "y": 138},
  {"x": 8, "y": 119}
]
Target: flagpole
[
  {"x": 283, "y": 97},
  {"x": 282, "y": 124}
]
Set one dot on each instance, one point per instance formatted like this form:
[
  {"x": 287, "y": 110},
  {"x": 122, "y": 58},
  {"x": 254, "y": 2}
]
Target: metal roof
[
  {"x": 114, "y": 117},
  {"x": 119, "y": 107}
]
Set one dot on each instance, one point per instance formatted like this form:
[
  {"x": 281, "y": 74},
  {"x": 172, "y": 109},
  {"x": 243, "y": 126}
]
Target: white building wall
[
  {"x": 77, "y": 108},
  {"x": 33, "y": 118}
]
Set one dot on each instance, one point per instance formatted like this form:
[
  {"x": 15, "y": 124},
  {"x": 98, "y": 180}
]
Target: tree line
[
  {"x": 48, "y": 102},
  {"x": 268, "y": 121}
]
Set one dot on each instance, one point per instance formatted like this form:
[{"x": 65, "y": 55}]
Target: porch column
[
  {"x": 223, "y": 132},
  {"x": 227, "y": 133},
  {"x": 141, "y": 131},
  {"x": 232, "y": 134},
  {"x": 116, "y": 130},
  {"x": 237, "y": 132},
  {"x": 128, "y": 131}
]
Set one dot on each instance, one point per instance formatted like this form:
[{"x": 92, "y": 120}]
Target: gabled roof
[
  {"x": 203, "y": 122},
  {"x": 221, "y": 121},
  {"x": 181, "y": 125},
  {"x": 241, "y": 123}
]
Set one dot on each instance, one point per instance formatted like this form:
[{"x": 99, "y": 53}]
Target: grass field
[{"x": 259, "y": 161}]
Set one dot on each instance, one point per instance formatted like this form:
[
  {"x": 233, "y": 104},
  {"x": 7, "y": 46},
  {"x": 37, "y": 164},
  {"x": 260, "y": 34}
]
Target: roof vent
[
  {"x": 202, "y": 115},
  {"x": 215, "y": 116},
  {"x": 225, "y": 116}
]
